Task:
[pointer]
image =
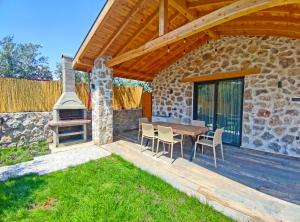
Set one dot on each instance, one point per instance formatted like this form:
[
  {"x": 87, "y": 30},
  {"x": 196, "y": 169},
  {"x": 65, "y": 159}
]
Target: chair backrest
[
  {"x": 198, "y": 123},
  {"x": 174, "y": 120},
  {"x": 218, "y": 136},
  {"x": 143, "y": 120},
  {"x": 165, "y": 133},
  {"x": 147, "y": 130}
]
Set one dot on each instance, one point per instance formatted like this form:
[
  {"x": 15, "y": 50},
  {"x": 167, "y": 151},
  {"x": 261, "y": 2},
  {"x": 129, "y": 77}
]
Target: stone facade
[
  {"x": 126, "y": 120},
  {"x": 102, "y": 93},
  {"x": 271, "y": 120},
  {"x": 24, "y": 128}
]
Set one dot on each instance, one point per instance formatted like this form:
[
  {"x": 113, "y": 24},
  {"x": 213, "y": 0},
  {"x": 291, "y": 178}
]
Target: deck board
[
  {"x": 278, "y": 176},
  {"x": 232, "y": 198}
]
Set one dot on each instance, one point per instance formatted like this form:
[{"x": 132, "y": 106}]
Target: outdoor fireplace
[{"x": 69, "y": 114}]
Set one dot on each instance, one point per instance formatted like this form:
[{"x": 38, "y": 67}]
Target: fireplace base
[{"x": 68, "y": 131}]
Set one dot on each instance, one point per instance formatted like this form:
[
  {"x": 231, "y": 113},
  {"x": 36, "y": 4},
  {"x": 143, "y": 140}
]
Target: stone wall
[
  {"x": 271, "y": 119},
  {"x": 26, "y": 128},
  {"x": 126, "y": 119},
  {"x": 29, "y": 127}
]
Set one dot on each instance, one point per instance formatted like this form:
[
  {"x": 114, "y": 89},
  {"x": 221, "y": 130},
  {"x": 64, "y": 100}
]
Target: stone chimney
[
  {"x": 68, "y": 74},
  {"x": 69, "y": 98}
]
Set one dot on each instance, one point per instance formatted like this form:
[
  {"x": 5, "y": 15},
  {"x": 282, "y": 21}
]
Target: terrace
[
  {"x": 270, "y": 174},
  {"x": 233, "y": 65}
]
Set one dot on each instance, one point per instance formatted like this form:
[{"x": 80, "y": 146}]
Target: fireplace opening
[{"x": 71, "y": 114}]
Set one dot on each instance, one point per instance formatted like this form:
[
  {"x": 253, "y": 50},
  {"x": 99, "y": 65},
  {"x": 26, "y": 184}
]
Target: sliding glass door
[
  {"x": 219, "y": 104},
  {"x": 205, "y": 104}
]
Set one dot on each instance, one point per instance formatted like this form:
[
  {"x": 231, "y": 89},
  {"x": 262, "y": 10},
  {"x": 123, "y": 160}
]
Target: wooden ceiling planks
[
  {"x": 218, "y": 17},
  {"x": 106, "y": 36}
]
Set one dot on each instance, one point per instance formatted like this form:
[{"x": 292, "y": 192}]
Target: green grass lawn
[
  {"x": 13, "y": 155},
  {"x": 109, "y": 189}
]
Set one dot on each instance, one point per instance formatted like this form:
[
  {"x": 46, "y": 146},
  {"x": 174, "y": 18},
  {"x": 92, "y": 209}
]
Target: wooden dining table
[{"x": 184, "y": 129}]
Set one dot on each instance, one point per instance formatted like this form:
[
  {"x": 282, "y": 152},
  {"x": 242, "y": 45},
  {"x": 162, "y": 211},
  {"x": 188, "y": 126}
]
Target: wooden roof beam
[
  {"x": 260, "y": 26},
  {"x": 152, "y": 37},
  {"x": 143, "y": 27},
  {"x": 225, "y": 31},
  {"x": 149, "y": 22},
  {"x": 156, "y": 60},
  {"x": 131, "y": 14},
  {"x": 235, "y": 10},
  {"x": 219, "y": 76},
  {"x": 177, "y": 53},
  {"x": 86, "y": 61},
  {"x": 178, "y": 56},
  {"x": 163, "y": 17},
  {"x": 173, "y": 49},
  {"x": 181, "y": 6},
  {"x": 267, "y": 18},
  {"x": 128, "y": 73},
  {"x": 207, "y": 4}
]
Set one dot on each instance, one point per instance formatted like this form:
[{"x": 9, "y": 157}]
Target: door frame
[{"x": 216, "y": 82}]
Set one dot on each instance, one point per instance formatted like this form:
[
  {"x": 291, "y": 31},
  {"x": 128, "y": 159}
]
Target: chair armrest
[{"x": 208, "y": 135}]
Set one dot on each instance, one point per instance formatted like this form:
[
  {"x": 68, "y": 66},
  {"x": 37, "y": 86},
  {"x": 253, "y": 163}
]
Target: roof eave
[{"x": 98, "y": 21}]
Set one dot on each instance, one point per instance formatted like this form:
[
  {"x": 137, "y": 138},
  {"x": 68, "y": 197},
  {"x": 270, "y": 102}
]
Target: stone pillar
[{"x": 102, "y": 92}]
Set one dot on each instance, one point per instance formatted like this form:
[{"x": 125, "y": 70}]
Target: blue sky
[{"x": 58, "y": 25}]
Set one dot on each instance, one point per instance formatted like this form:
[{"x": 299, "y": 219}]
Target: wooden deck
[
  {"x": 275, "y": 175},
  {"x": 227, "y": 196}
]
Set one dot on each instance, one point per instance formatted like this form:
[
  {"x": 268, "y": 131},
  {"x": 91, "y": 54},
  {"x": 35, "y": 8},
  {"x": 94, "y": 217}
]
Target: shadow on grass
[{"x": 17, "y": 193}]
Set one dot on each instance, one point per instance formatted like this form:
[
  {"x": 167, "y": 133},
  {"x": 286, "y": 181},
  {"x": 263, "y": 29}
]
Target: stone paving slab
[{"x": 53, "y": 162}]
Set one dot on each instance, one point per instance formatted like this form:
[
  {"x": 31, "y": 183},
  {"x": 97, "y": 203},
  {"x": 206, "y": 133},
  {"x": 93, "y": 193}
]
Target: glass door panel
[
  {"x": 219, "y": 104},
  {"x": 205, "y": 104},
  {"x": 228, "y": 112}
]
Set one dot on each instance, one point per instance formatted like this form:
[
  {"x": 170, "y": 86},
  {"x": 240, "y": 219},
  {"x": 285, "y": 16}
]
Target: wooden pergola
[{"x": 146, "y": 36}]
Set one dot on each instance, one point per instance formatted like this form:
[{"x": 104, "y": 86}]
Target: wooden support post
[{"x": 163, "y": 17}]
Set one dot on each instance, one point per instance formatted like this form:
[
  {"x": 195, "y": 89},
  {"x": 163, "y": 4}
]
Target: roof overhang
[{"x": 145, "y": 36}]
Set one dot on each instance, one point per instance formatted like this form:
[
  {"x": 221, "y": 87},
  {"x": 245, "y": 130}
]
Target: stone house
[
  {"x": 270, "y": 116},
  {"x": 212, "y": 45}
]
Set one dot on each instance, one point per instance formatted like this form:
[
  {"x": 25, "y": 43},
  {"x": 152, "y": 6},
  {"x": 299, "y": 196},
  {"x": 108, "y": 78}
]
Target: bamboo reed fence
[{"x": 22, "y": 95}]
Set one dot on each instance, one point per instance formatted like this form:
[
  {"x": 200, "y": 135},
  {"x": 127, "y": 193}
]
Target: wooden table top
[{"x": 182, "y": 129}]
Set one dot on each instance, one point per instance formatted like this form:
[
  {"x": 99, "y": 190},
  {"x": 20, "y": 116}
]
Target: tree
[
  {"x": 147, "y": 87},
  {"x": 80, "y": 77},
  {"x": 23, "y": 60}
]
